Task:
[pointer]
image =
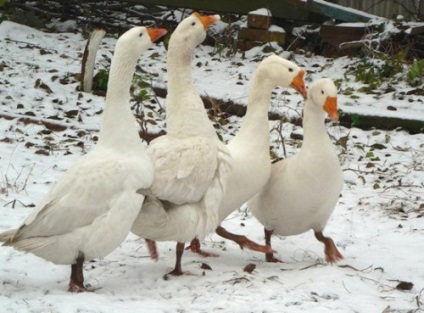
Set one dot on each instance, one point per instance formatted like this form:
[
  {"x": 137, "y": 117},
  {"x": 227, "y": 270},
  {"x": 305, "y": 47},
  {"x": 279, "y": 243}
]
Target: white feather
[
  {"x": 92, "y": 207},
  {"x": 303, "y": 189}
]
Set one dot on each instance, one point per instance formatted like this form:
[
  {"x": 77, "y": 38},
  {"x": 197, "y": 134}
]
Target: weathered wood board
[
  {"x": 338, "y": 12},
  {"x": 287, "y": 9}
]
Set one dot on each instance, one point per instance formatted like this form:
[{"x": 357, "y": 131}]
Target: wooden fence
[
  {"x": 285, "y": 9},
  {"x": 301, "y": 9},
  {"x": 387, "y": 8}
]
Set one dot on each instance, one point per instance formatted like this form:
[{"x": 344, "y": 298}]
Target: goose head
[
  {"x": 283, "y": 73},
  {"x": 192, "y": 30},
  {"x": 139, "y": 39},
  {"x": 323, "y": 95}
]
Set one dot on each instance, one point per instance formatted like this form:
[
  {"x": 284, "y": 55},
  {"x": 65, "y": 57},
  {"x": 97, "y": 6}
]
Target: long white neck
[
  {"x": 186, "y": 114},
  {"x": 179, "y": 66},
  {"x": 255, "y": 128},
  {"x": 118, "y": 125},
  {"x": 314, "y": 131}
]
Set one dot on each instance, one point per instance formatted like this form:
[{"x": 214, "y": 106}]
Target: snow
[
  {"x": 275, "y": 28},
  {"x": 358, "y": 24},
  {"x": 261, "y": 11},
  {"x": 378, "y": 223}
]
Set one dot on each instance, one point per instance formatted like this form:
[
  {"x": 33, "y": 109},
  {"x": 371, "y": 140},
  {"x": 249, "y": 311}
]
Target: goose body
[
  {"x": 303, "y": 190},
  {"x": 187, "y": 158},
  {"x": 191, "y": 164},
  {"x": 249, "y": 149},
  {"x": 91, "y": 209}
]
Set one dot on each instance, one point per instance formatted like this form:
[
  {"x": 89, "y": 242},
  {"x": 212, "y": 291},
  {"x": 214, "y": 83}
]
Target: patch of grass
[
  {"x": 356, "y": 120},
  {"x": 100, "y": 80},
  {"x": 381, "y": 68}
]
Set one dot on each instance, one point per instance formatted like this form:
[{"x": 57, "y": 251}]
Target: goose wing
[
  {"x": 185, "y": 167},
  {"x": 86, "y": 191}
]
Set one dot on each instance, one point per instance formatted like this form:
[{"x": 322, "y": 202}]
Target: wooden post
[{"x": 89, "y": 57}]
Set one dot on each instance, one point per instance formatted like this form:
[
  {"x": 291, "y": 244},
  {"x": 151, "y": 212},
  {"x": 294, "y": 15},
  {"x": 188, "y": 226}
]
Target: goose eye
[
  {"x": 194, "y": 23},
  {"x": 322, "y": 92},
  {"x": 141, "y": 35},
  {"x": 290, "y": 70}
]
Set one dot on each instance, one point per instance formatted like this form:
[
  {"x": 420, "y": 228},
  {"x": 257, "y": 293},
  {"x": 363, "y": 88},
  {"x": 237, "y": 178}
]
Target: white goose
[
  {"x": 90, "y": 210},
  {"x": 191, "y": 164},
  {"x": 249, "y": 149},
  {"x": 303, "y": 190}
]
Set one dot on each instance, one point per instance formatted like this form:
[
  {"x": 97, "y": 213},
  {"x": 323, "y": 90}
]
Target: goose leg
[
  {"x": 331, "y": 253},
  {"x": 195, "y": 247},
  {"x": 243, "y": 241},
  {"x": 76, "y": 283},
  {"x": 177, "y": 271},
  {"x": 269, "y": 256},
  {"x": 151, "y": 245}
]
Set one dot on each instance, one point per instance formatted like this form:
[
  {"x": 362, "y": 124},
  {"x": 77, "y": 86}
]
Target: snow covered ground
[{"x": 378, "y": 224}]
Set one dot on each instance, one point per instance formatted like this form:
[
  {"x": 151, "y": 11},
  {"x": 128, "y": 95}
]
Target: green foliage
[
  {"x": 142, "y": 86},
  {"x": 381, "y": 27},
  {"x": 367, "y": 73},
  {"x": 143, "y": 95},
  {"x": 226, "y": 42},
  {"x": 415, "y": 75},
  {"x": 141, "y": 81},
  {"x": 373, "y": 72},
  {"x": 356, "y": 120},
  {"x": 100, "y": 80}
]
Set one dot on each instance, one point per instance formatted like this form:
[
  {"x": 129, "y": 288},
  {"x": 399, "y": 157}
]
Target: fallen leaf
[
  {"x": 7, "y": 140},
  {"x": 378, "y": 146},
  {"x": 405, "y": 285},
  {"x": 249, "y": 268},
  {"x": 206, "y": 267},
  {"x": 42, "y": 152},
  {"x": 71, "y": 113},
  {"x": 39, "y": 84}
]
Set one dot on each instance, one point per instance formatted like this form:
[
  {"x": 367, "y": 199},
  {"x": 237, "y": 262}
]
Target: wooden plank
[
  {"x": 287, "y": 9},
  {"x": 414, "y": 30},
  {"x": 338, "y": 12},
  {"x": 337, "y": 34},
  {"x": 262, "y": 35}
]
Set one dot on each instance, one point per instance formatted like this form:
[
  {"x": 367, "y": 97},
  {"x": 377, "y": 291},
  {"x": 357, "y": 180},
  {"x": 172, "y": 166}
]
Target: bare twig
[
  {"x": 376, "y": 281},
  {"x": 27, "y": 178},
  {"x": 354, "y": 268}
]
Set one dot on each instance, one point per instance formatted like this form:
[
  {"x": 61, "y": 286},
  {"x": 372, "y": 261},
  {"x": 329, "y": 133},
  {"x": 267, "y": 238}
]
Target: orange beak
[
  {"x": 299, "y": 84},
  {"x": 330, "y": 107},
  {"x": 156, "y": 33},
  {"x": 207, "y": 20}
]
